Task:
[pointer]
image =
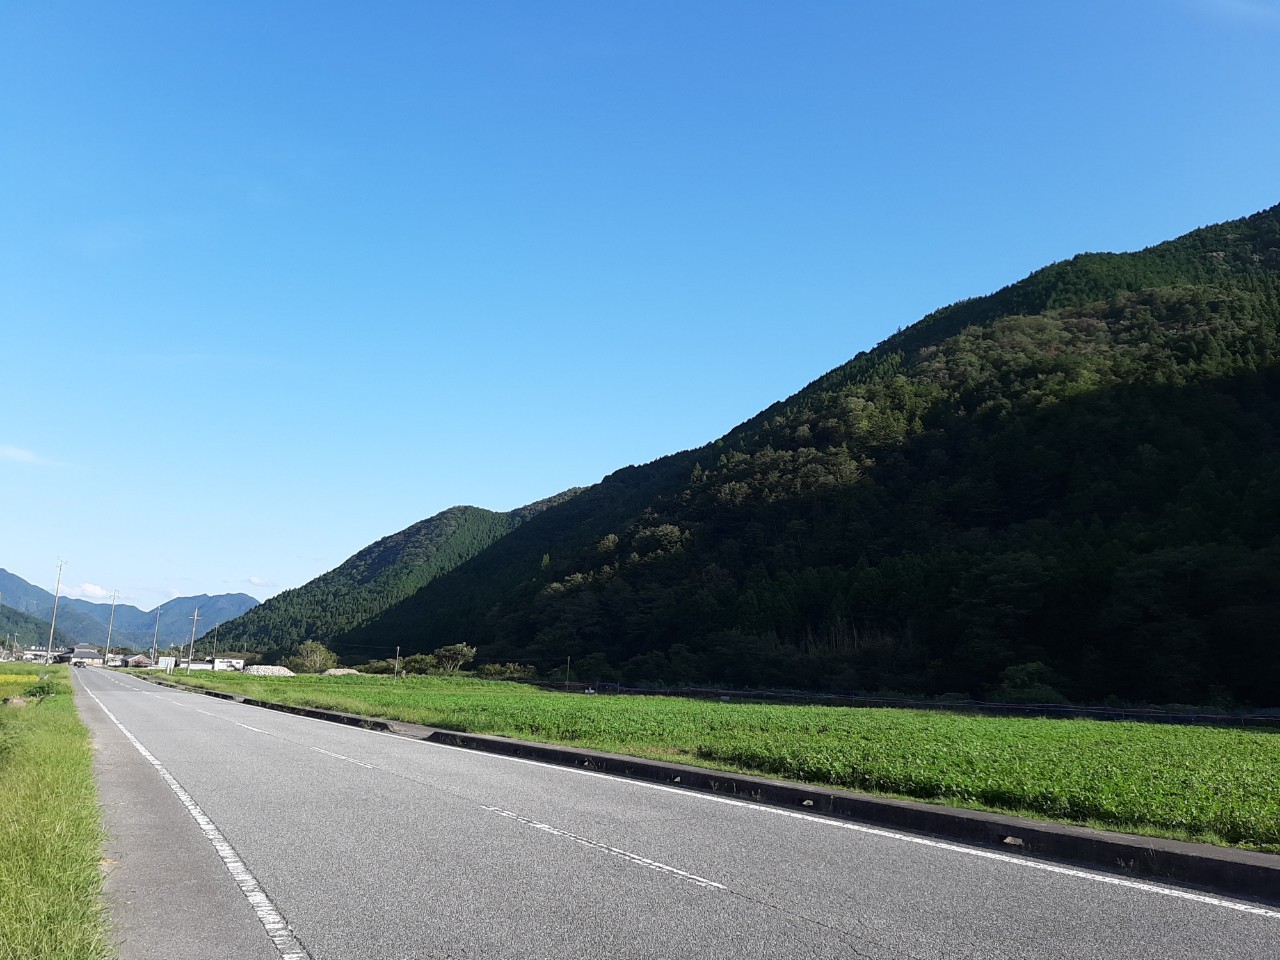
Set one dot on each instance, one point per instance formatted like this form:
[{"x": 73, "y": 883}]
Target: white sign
[{"x": 166, "y": 663}]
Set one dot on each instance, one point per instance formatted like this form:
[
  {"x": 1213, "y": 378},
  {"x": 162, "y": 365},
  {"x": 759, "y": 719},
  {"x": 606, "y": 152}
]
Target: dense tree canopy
[
  {"x": 1070, "y": 488},
  {"x": 374, "y": 579}
]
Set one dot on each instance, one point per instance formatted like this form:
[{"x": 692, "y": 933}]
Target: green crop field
[
  {"x": 1198, "y": 783},
  {"x": 50, "y": 834}
]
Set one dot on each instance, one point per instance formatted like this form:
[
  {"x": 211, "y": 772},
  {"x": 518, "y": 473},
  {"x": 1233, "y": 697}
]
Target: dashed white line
[
  {"x": 615, "y": 851},
  {"x": 246, "y": 726},
  {"x": 330, "y": 753},
  {"x": 889, "y": 834}
]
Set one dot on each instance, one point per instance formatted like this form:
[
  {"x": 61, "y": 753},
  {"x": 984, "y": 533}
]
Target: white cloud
[
  {"x": 259, "y": 582},
  {"x": 87, "y": 591},
  {"x": 18, "y": 455}
]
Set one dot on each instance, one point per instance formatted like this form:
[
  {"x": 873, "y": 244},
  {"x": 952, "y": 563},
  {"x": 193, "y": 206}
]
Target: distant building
[
  {"x": 41, "y": 654},
  {"x": 86, "y": 655},
  {"x": 138, "y": 661}
]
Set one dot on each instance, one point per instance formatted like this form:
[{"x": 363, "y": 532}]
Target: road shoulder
[{"x": 168, "y": 893}]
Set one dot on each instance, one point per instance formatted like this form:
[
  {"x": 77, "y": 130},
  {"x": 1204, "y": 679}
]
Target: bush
[
  {"x": 1029, "y": 683},
  {"x": 506, "y": 671},
  {"x": 419, "y": 663},
  {"x": 41, "y": 689},
  {"x": 311, "y": 657}
]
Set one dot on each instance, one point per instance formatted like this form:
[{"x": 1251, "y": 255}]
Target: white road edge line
[
  {"x": 616, "y": 851},
  {"x": 276, "y": 926},
  {"x": 845, "y": 825}
]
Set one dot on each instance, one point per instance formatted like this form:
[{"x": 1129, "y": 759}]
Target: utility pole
[
  {"x": 195, "y": 617},
  {"x": 396, "y": 675},
  {"x": 54, "y": 619},
  {"x": 110, "y": 623},
  {"x": 155, "y": 639},
  {"x": 566, "y": 672}
]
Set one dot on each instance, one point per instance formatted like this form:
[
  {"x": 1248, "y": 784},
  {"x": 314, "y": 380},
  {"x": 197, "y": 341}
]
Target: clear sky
[{"x": 279, "y": 279}]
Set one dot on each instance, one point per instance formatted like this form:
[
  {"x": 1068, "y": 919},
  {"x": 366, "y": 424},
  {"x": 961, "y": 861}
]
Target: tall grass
[
  {"x": 50, "y": 833},
  {"x": 1214, "y": 785}
]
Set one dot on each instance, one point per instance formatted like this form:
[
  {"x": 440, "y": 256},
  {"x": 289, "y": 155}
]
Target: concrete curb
[{"x": 1242, "y": 874}]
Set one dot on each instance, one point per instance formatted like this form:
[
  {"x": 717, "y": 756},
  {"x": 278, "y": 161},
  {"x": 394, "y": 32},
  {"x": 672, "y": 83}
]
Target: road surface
[{"x": 240, "y": 833}]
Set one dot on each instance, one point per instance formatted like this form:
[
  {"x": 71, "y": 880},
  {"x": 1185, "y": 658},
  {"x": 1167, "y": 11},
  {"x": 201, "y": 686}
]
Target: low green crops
[
  {"x": 50, "y": 836},
  {"x": 1215, "y": 785}
]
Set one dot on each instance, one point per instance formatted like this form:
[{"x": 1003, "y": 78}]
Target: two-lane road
[{"x": 247, "y": 833}]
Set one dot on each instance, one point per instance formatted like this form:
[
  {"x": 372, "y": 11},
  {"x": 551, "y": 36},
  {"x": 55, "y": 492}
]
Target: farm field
[
  {"x": 1204, "y": 784},
  {"x": 50, "y": 833}
]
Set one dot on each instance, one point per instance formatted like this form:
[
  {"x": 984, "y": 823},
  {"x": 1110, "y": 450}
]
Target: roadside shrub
[{"x": 41, "y": 689}]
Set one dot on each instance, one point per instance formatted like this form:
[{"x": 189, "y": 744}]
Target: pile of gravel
[
  {"x": 264, "y": 671},
  {"x": 339, "y": 672}
]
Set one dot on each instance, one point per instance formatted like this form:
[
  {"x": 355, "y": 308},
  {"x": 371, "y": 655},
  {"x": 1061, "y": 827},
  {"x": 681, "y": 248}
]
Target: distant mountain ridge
[
  {"x": 377, "y": 577},
  {"x": 86, "y": 622}
]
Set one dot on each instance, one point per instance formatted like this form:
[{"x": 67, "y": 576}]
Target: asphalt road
[{"x": 246, "y": 833}]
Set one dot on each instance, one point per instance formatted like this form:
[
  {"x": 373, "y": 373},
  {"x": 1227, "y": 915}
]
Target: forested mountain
[
  {"x": 24, "y": 630},
  {"x": 136, "y": 628},
  {"x": 1069, "y": 487},
  {"x": 375, "y": 578},
  {"x": 27, "y": 598},
  {"x": 86, "y": 622}
]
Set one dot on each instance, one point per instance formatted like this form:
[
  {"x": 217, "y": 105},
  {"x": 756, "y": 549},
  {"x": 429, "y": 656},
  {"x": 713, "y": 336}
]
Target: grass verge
[
  {"x": 1194, "y": 783},
  {"x": 50, "y": 832}
]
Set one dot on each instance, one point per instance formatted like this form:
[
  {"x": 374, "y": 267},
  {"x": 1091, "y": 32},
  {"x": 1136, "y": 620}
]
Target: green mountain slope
[
  {"x": 21, "y": 630},
  {"x": 452, "y": 609},
  {"x": 1071, "y": 486},
  {"x": 375, "y": 578}
]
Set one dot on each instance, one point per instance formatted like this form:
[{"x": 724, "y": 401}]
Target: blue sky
[{"x": 279, "y": 279}]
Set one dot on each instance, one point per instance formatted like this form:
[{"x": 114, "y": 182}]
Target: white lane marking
[
  {"x": 616, "y": 851},
  {"x": 216, "y": 716},
  {"x": 856, "y": 827},
  {"x": 330, "y": 753},
  {"x": 277, "y": 928}
]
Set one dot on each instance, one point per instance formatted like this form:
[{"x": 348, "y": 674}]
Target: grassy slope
[
  {"x": 50, "y": 833},
  {"x": 1195, "y": 783}
]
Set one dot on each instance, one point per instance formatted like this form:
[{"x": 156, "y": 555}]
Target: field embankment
[
  {"x": 1195, "y": 783},
  {"x": 50, "y": 832}
]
